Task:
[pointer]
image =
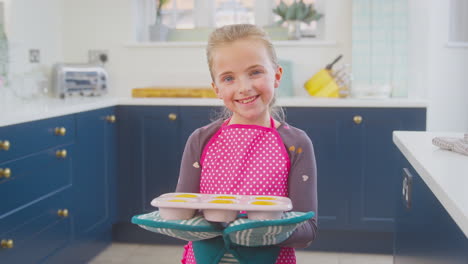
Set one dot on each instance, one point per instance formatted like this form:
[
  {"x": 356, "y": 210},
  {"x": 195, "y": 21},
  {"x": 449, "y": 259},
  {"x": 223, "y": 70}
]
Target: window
[
  {"x": 234, "y": 12},
  {"x": 181, "y": 15}
]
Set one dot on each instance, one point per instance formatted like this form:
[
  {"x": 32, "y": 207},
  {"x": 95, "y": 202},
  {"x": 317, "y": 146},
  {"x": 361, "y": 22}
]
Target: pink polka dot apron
[{"x": 245, "y": 160}]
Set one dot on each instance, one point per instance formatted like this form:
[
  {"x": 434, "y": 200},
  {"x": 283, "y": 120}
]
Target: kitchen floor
[{"x": 119, "y": 253}]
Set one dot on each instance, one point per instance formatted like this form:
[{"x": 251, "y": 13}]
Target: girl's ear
[
  {"x": 216, "y": 90},
  {"x": 278, "y": 75}
]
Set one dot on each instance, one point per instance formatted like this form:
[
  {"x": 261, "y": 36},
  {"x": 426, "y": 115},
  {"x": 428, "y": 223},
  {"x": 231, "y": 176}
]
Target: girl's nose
[{"x": 244, "y": 86}]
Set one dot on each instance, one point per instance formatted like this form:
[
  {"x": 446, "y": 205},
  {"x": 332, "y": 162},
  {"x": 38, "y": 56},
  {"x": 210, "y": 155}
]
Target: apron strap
[{"x": 272, "y": 123}]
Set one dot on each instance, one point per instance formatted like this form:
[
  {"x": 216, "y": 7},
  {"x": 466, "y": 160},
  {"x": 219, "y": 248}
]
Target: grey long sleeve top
[{"x": 302, "y": 179}]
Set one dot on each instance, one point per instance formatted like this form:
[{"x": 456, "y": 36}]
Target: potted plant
[
  {"x": 159, "y": 31},
  {"x": 294, "y": 14}
]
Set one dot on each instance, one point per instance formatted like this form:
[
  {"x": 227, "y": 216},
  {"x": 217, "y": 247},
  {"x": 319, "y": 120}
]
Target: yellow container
[
  {"x": 322, "y": 84},
  {"x": 174, "y": 92}
]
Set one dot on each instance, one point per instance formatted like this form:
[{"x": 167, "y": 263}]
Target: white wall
[
  {"x": 439, "y": 73},
  {"x": 107, "y": 24},
  {"x": 33, "y": 24}
]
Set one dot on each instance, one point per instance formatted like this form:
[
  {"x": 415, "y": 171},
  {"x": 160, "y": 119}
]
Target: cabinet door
[
  {"x": 193, "y": 117},
  {"x": 357, "y": 162},
  {"x": 425, "y": 232},
  {"x": 376, "y": 168},
  {"x": 324, "y": 127},
  {"x": 93, "y": 181},
  {"x": 151, "y": 143},
  {"x": 37, "y": 230}
]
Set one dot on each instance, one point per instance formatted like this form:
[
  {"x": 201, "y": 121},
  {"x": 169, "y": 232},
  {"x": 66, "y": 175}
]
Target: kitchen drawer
[
  {"x": 31, "y": 137},
  {"x": 34, "y": 177},
  {"x": 37, "y": 230}
]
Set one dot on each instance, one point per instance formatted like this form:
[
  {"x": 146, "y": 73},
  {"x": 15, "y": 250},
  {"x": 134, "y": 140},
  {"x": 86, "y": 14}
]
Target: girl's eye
[
  {"x": 228, "y": 79},
  {"x": 255, "y": 72}
]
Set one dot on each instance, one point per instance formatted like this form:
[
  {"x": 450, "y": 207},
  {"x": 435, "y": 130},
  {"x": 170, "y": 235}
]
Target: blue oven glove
[
  {"x": 253, "y": 241},
  {"x": 193, "y": 229},
  {"x": 254, "y": 233}
]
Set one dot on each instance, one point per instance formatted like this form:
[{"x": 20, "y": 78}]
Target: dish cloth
[{"x": 459, "y": 145}]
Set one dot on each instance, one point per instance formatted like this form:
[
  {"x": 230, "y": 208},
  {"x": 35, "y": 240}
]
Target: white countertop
[
  {"x": 20, "y": 111},
  {"x": 445, "y": 172}
]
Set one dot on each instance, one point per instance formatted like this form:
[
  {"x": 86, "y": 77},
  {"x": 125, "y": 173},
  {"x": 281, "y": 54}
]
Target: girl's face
[{"x": 245, "y": 79}]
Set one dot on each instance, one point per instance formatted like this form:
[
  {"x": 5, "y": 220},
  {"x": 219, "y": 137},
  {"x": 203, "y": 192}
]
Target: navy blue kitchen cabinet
[
  {"x": 60, "y": 187},
  {"x": 35, "y": 179},
  {"x": 151, "y": 142},
  {"x": 94, "y": 185},
  {"x": 357, "y": 165},
  {"x": 425, "y": 232}
]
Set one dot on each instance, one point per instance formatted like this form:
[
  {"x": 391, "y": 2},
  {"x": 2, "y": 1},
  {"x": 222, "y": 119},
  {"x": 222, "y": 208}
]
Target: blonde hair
[{"x": 228, "y": 34}]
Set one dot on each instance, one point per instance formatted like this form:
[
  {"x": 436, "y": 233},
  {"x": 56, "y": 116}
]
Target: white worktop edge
[
  {"x": 458, "y": 210},
  {"x": 21, "y": 111}
]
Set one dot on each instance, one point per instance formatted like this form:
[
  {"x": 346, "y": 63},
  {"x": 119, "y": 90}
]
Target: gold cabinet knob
[
  {"x": 61, "y": 153},
  {"x": 5, "y": 173},
  {"x": 111, "y": 118},
  {"x": 60, "y": 131},
  {"x": 7, "y": 243},
  {"x": 357, "y": 119},
  {"x": 172, "y": 116},
  {"x": 62, "y": 213},
  {"x": 4, "y": 145}
]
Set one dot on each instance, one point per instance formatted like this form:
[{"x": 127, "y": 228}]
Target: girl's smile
[{"x": 248, "y": 100}]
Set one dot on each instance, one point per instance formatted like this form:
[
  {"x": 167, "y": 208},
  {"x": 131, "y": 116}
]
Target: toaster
[{"x": 79, "y": 80}]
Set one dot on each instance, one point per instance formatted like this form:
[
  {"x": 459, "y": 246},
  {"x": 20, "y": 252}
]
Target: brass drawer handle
[
  {"x": 60, "y": 131},
  {"x": 62, "y": 213},
  {"x": 357, "y": 119},
  {"x": 61, "y": 153},
  {"x": 5, "y": 173},
  {"x": 172, "y": 116},
  {"x": 7, "y": 243},
  {"x": 5, "y": 145},
  {"x": 111, "y": 118}
]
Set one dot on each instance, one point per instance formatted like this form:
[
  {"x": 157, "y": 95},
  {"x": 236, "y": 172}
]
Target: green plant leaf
[
  {"x": 291, "y": 13},
  {"x": 303, "y": 11},
  {"x": 281, "y": 10}
]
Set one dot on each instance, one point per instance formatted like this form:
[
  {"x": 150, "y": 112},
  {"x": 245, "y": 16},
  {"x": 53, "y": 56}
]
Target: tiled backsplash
[{"x": 380, "y": 44}]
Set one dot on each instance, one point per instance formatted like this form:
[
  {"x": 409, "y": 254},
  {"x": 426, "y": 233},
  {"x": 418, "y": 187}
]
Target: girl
[{"x": 250, "y": 152}]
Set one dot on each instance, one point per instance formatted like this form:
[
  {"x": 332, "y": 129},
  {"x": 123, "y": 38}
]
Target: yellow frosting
[
  {"x": 225, "y": 197},
  {"x": 177, "y": 201},
  {"x": 265, "y": 198},
  {"x": 263, "y": 203},
  {"x": 222, "y": 201},
  {"x": 186, "y": 195}
]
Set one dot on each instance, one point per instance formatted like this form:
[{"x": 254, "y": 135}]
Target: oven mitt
[
  {"x": 254, "y": 233},
  {"x": 193, "y": 229},
  {"x": 215, "y": 250},
  {"x": 249, "y": 241}
]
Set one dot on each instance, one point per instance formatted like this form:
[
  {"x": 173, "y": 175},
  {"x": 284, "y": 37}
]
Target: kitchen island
[{"x": 432, "y": 213}]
